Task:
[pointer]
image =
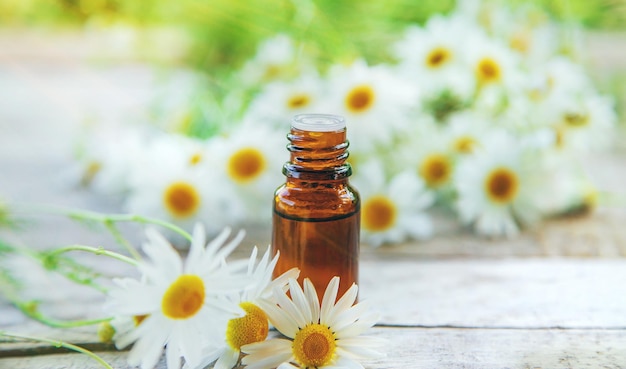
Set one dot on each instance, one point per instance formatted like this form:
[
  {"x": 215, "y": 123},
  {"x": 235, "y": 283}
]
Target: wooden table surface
[{"x": 553, "y": 298}]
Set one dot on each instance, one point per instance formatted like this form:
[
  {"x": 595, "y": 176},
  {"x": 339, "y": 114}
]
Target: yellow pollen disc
[
  {"x": 436, "y": 170},
  {"x": 184, "y": 298},
  {"x": 465, "y": 144},
  {"x": 195, "y": 159},
  {"x": 298, "y": 101},
  {"x": 502, "y": 185},
  {"x": 138, "y": 319},
  {"x": 246, "y": 164},
  {"x": 360, "y": 99},
  {"x": 438, "y": 57},
  {"x": 575, "y": 119},
  {"x": 250, "y": 328},
  {"x": 488, "y": 71},
  {"x": 314, "y": 346},
  {"x": 378, "y": 213},
  {"x": 520, "y": 41},
  {"x": 181, "y": 199}
]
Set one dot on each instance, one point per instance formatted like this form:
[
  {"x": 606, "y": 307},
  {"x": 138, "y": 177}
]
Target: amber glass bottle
[{"x": 316, "y": 216}]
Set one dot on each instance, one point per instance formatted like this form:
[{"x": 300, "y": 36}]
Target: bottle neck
[{"x": 317, "y": 156}]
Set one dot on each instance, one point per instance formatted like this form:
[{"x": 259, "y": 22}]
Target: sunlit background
[{"x": 479, "y": 114}]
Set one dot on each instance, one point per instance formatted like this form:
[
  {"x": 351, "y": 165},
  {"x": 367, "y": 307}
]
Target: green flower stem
[
  {"x": 121, "y": 240},
  {"x": 93, "y": 250},
  {"x": 58, "y": 344},
  {"x": 116, "y": 218},
  {"x": 30, "y": 310}
]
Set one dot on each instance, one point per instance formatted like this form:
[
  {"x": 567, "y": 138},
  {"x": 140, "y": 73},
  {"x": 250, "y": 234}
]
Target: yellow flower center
[
  {"x": 314, "y": 346},
  {"x": 575, "y": 119},
  {"x": 378, "y": 213},
  {"x": 502, "y": 185},
  {"x": 298, "y": 101},
  {"x": 195, "y": 159},
  {"x": 138, "y": 319},
  {"x": 181, "y": 199},
  {"x": 360, "y": 99},
  {"x": 250, "y": 328},
  {"x": 246, "y": 164},
  {"x": 520, "y": 41},
  {"x": 436, "y": 170},
  {"x": 438, "y": 57},
  {"x": 465, "y": 144},
  {"x": 184, "y": 298},
  {"x": 488, "y": 71}
]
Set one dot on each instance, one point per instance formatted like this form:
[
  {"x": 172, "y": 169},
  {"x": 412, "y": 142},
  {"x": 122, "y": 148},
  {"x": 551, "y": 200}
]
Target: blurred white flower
[
  {"x": 250, "y": 160},
  {"x": 497, "y": 187},
  {"x": 178, "y": 182},
  {"x": 375, "y": 102},
  {"x": 279, "y": 101},
  {"x": 392, "y": 210}
]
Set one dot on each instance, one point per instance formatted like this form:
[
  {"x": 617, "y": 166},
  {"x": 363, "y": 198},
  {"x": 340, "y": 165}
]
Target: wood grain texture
[{"x": 430, "y": 348}]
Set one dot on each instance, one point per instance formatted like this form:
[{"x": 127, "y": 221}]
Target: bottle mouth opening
[{"x": 318, "y": 122}]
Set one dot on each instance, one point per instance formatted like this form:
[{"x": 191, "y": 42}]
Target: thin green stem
[
  {"x": 30, "y": 309},
  {"x": 93, "y": 250},
  {"x": 121, "y": 240},
  {"x": 58, "y": 344},
  {"x": 116, "y": 218}
]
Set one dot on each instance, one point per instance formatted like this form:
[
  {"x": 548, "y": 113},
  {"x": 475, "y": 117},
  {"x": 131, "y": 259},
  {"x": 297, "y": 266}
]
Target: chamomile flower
[
  {"x": 279, "y": 101},
  {"x": 393, "y": 210},
  {"x": 496, "y": 70},
  {"x": 583, "y": 122},
  {"x": 250, "y": 160},
  {"x": 497, "y": 187},
  {"x": 326, "y": 336},
  {"x": 254, "y": 325},
  {"x": 177, "y": 300},
  {"x": 375, "y": 102},
  {"x": 277, "y": 58},
  {"x": 176, "y": 184}
]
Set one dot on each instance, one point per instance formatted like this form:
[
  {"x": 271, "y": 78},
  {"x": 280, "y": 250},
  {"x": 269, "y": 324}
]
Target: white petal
[
  {"x": 300, "y": 301},
  {"x": 344, "y": 303},
  {"x": 314, "y": 302},
  {"x": 279, "y": 319},
  {"x": 328, "y": 301},
  {"x": 228, "y": 359},
  {"x": 289, "y": 307},
  {"x": 196, "y": 249}
]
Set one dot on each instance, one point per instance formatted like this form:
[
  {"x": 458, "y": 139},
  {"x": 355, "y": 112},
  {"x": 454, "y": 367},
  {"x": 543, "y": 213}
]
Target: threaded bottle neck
[{"x": 318, "y": 148}]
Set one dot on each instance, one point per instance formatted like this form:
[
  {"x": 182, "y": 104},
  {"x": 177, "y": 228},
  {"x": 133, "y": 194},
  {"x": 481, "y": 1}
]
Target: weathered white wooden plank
[
  {"x": 498, "y": 293},
  {"x": 442, "y": 349}
]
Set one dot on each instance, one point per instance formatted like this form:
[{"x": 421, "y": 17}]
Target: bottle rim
[{"x": 318, "y": 122}]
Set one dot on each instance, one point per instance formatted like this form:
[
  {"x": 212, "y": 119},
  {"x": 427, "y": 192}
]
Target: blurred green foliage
[{"x": 225, "y": 32}]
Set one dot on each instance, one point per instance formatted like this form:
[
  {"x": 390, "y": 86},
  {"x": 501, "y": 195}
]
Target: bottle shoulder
[{"x": 316, "y": 199}]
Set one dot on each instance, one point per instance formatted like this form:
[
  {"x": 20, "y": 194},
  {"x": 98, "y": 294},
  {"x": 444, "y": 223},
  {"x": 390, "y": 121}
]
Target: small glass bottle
[{"x": 316, "y": 220}]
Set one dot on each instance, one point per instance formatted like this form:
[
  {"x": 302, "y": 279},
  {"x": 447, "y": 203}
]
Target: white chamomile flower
[
  {"x": 583, "y": 122},
  {"x": 498, "y": 186},
  {"x": 278, "y": 102},
  {"x": 465, "y": 132},
  {"x": 253, "y": 326},
  {"x": 392, "y": 210},
  {"x": 375, "y": 102},
  {"x": 177, "y": 300},
  {"x": 110, "y": 158},
  {"x": 496, "y": 70},
  {"x": 276, "y": 58},
  {"x": 431, "y": 159},
  {"x": 250, "y": 160},
  {"x": 178, "y": 185},
  {"x": 326, "y": 336}
]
